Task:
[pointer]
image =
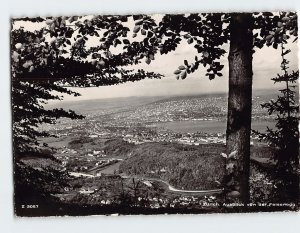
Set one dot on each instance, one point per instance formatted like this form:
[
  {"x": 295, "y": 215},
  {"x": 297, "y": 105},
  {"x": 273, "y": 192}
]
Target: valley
[{"x": 154, "y": 152}]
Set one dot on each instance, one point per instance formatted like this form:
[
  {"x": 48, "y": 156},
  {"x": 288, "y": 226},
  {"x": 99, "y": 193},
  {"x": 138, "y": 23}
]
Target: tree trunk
[{"x": 239, "y": 109}]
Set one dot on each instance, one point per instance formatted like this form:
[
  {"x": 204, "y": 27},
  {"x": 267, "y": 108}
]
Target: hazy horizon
[{"x": 76, "y": 99}]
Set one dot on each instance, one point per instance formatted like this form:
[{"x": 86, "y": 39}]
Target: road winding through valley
[{"x": 166, "y": 185}]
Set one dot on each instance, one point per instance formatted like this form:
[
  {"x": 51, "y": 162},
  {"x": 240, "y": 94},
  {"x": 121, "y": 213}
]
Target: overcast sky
[{"x": 266, "y": 64}]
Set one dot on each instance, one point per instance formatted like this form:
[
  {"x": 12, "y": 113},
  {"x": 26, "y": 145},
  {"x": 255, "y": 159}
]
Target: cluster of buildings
[
  {"x": 183, "y": 138},
  {"x": 175, "y": 109}
]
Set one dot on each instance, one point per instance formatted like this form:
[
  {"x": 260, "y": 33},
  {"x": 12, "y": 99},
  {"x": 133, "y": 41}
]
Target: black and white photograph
[{"x": 155, "y": 114}]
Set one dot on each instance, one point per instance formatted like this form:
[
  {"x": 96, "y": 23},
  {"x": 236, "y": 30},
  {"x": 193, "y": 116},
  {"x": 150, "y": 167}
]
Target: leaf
[
  {"x": 278, "y": 30},
  {"x": 15, "y": 56},
  {"x": 69, "y": 33},
  {"x": 183, "y": 75},
  {"x": 148, "y": 61},
  {"x": 150, "y": 34},
  {"x": 217, "y": 182},
  {"x": 49, "y": 21},
  {"x": 124, "y": 19},
  {"x": 126, "y": 41},
  {"x": 224, "y": 155},
  {"x": 31, "y": 68},
  {"x": 105, "y": 34},
  {"x": 286, "y": 52},
  {"x": 103, "y": 46},
  {"x": 190, "y": 40},
  {"x": 205, "y": 54},
  {"x": 151, "y": 56},
  {"x": 267, "y": 14},
  {"x": 139, "y": 22},
  {"x": 269, "y": 37},
  {"x": 161, "y": 50},
  {"x": 211, "y": 76},
  {"x": 279, "y": 24},
  {"x": 101, "y": 62},
  {"x": 181, "y": 67},
  {"x": 18, "y": 46},
  {"x": 137, "y": 17},
  {"x": 186, "y": 62},
  {"x": 94, "y": 55},
  {"x": 285, "y": 36},
  {"x": 232, "y": 154},
  {"x": 229, "y": 166},
  {"x": 285, "y": 19},
  {"x": 177, "y": 71},
  {"x": 27, "y": 64},
  {"x": 136, "y": 29},
  {"x": 143, "y": 32}
]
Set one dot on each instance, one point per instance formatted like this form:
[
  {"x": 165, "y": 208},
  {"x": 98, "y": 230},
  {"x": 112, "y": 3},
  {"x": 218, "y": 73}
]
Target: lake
[{"x": 213, "y": 126}]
